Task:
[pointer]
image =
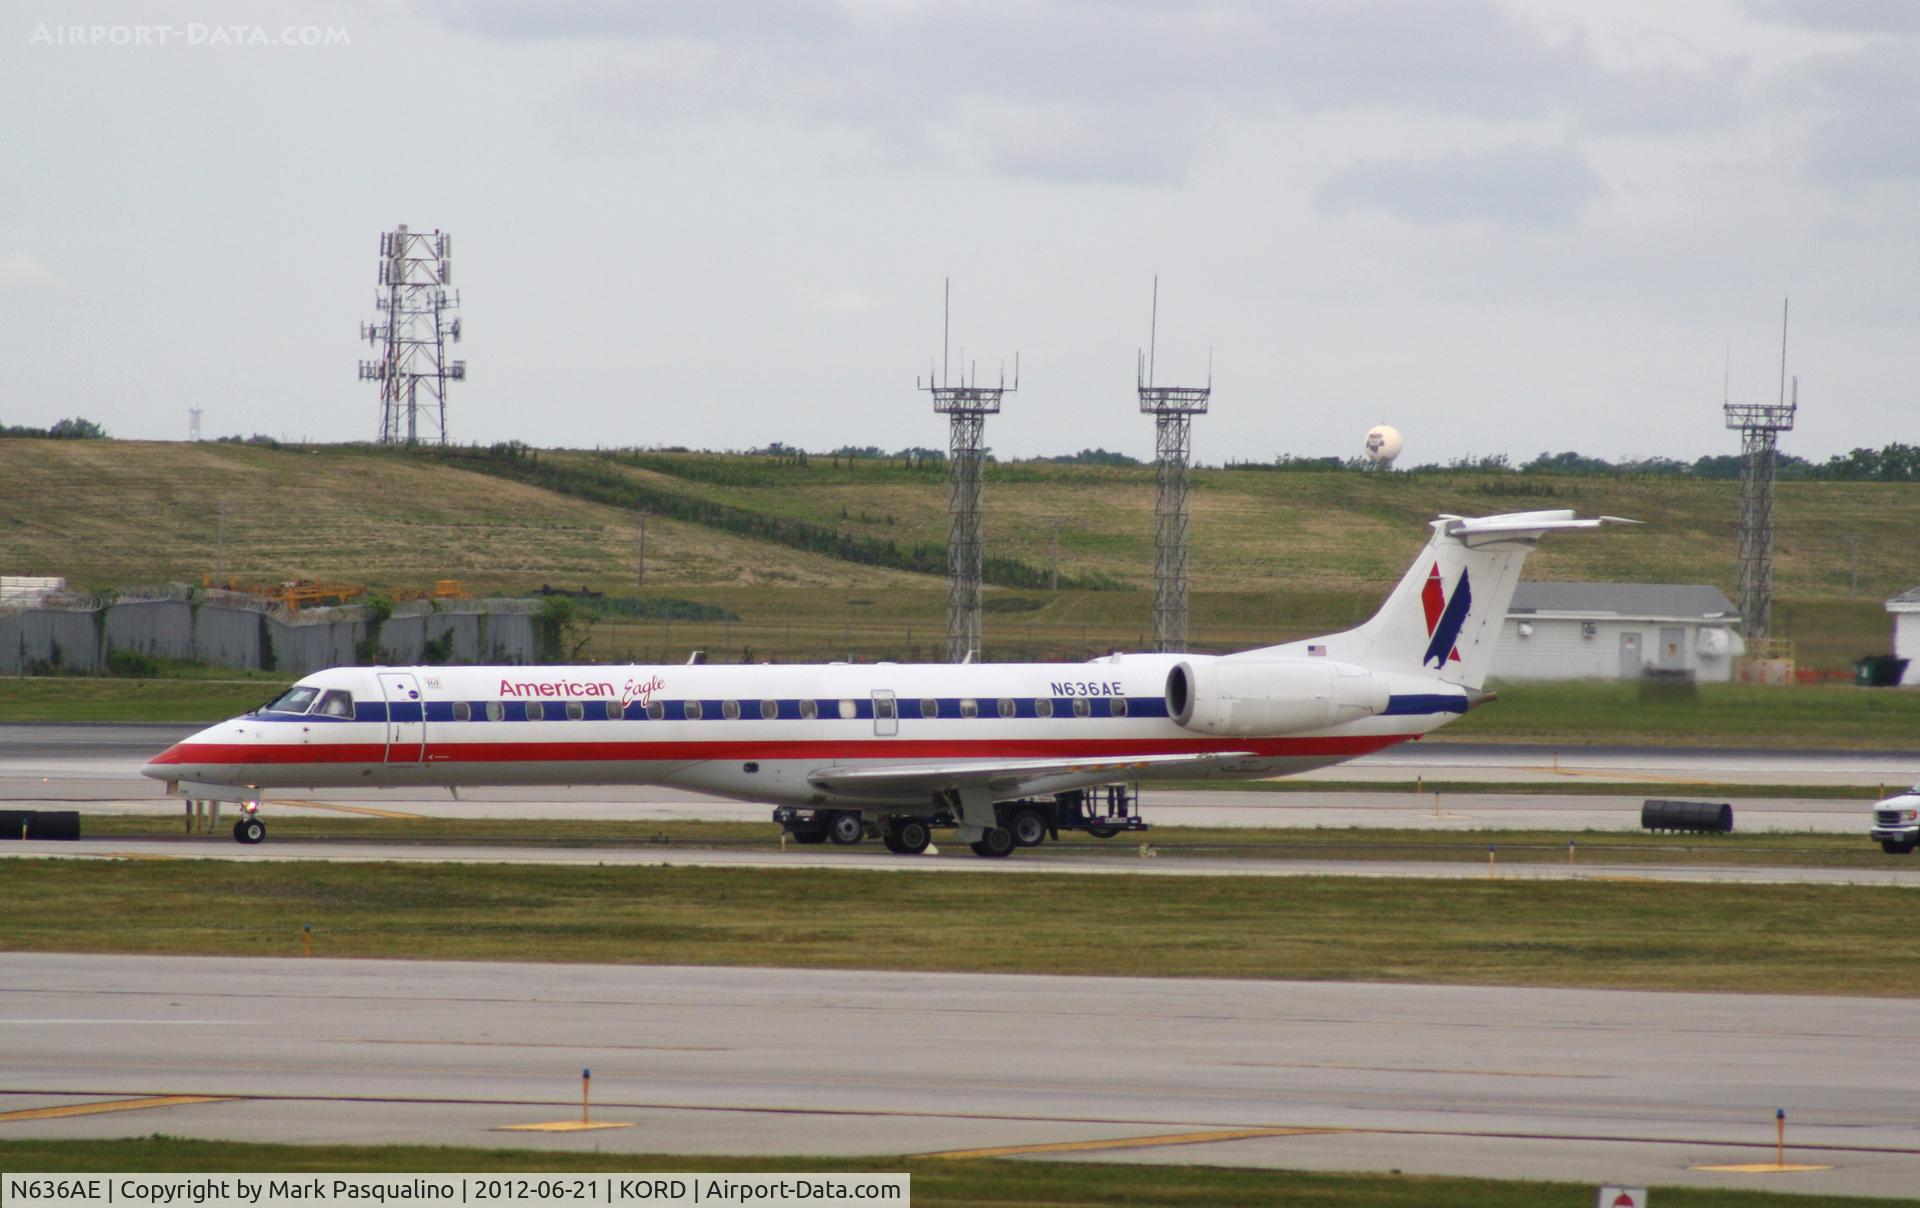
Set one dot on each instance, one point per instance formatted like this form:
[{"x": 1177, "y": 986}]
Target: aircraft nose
[{"x": 162, "y": 766}]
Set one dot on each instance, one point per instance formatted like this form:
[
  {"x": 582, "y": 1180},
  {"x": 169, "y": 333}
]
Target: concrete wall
[
  {"x": 1558, "y": 649},
  {"x": 236, "y": 631}
]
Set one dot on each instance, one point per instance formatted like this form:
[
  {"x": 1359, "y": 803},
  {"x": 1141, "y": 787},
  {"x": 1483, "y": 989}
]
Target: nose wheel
[{"x": 249, "y": 831}]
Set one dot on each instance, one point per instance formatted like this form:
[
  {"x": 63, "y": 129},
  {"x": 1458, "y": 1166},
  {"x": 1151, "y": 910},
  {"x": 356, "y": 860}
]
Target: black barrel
[
  {"x": 1715, "y": 816},
  {"x": 39, "y": 824}
]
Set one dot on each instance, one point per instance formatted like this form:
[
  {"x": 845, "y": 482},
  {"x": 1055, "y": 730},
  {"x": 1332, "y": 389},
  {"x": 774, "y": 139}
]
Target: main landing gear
[{"x": 249, "y": 830}]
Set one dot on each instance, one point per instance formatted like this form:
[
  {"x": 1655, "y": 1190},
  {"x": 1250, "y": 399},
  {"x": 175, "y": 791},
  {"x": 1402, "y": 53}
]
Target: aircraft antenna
[
  {"x": 1760, "y": 426},
  {"x": 1173, "y": 409},
  {"x": 414, "y": 327},
  {"x": 966, "y": 407}
]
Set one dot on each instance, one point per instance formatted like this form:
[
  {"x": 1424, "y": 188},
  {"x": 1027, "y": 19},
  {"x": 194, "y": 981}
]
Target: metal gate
[{"x": 406, "y": 717}]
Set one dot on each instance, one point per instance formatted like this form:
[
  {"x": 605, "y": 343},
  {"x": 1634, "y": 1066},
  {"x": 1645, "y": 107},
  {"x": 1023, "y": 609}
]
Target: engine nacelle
[{"x": 1259, "y": 697}]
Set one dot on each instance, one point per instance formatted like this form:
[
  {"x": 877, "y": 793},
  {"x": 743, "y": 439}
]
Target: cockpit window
[
  {"x": 335, "y": 704},
  {"x": 295, "y": 699}
]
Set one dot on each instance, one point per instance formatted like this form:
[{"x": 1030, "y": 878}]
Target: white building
[
  {"x": 1905, "y": 608},
  {"x": 1618, "y": 631}
]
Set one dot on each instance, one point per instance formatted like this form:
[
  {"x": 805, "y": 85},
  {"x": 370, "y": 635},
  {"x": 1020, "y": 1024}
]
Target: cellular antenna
[
  {"x": 1173, "y": 409},
  {"x": 415, "y": 325},
  {"x": 966, "y": 407},
  {"x": 1760, "y": 426}
]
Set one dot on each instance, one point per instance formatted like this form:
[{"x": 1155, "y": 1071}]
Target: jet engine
[{"x": 1249, "y": 698}]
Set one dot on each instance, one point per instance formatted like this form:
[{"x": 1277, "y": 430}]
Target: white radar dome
[{"x": 1383, "y": 445}]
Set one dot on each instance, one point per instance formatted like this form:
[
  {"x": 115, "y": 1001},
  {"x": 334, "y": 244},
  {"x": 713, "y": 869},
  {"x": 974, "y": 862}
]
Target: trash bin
[{"x": 1879, "y": 671}]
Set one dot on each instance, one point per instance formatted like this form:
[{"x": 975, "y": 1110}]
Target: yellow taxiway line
[
  {"x": 1190, "y": 1138},
  {"x": 1759, "y": 1168},
  {"x": 560, "y": 1126},
  {"x": 111, "y": 1105},
  {"x": 366, "y": 810}
]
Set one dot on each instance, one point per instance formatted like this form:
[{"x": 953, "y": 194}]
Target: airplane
[{"x": 845, "y": 750}]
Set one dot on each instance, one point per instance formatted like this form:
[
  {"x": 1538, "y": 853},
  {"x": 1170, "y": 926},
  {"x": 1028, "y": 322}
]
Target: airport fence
[{"x": 79, "y": 633}]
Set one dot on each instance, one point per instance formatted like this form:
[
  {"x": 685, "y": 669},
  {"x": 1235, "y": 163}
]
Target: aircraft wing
[{"x": 1008, "y": 776}]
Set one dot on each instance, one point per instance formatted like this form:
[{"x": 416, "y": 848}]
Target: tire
[
  {"x": 910, "y": 837},
  {"x": 1103, "y": 832},
  {"x": 1029, "y": 828},
  {"x": 1894, "y": 847},
  {"x": 811, "y": 838},
  {"x": 997, "y": 843},
  {"x": 249, "y": 831},
  {"x": 846, "y": 828}
]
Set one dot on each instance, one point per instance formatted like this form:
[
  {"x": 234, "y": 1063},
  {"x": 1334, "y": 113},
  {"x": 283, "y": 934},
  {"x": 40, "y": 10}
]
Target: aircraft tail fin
[{"x": 1445, "y": 616}]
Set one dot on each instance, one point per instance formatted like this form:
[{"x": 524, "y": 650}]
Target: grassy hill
[{"x": 830, "y": 557}]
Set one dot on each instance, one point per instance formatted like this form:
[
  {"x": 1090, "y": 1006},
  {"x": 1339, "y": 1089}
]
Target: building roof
[
  {"x": 1906, "y": 601},
  {"x": 1697, "y": 601}
]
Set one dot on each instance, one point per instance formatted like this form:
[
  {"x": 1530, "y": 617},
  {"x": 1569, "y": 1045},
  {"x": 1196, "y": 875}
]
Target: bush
[{"x": 132, "y": 664}]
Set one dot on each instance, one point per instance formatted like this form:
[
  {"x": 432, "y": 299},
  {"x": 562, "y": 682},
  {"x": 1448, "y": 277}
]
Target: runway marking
[
  {"x": 536, "y": 1044},
  {"x": 1759, "y": 1168},
  {"x": 1401, "y": 1069},
  {"x": 114, "y": 1105},
  {"x": 1606, "y": 774},
  {"x": 366, "y": 810},
  {"x": 561, "y": 1126},
  {"x": 1191, "y": 1138}
]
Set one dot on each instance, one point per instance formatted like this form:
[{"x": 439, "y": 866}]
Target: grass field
[
  {"x": 1276, "y": 556},
  {"x": 1622, "y": 935},
  {"x": 1029, "y": 1184}
]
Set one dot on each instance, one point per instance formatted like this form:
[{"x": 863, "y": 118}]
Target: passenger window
[
  {"x": 615, "y": 710},
  {"x": 536, "y": 711},
  {"x": 730, "y": 709},
  {"x": 693, "y": 710},
  {"x": 462, "y": 711},
  {"x": 1081, "y": 708},
  {"x": 1006, "y": 706},
  {"x": 848, "y": 710},
  {"x": 656, "y": 710},
  {"x": 769, "y": 709},
  {"x": 809, "y": 709},
  {"x": 969, "y": 708},
  {"x": 1119, "y": 706},
  {"x": 883, "y": 708},
  {"x": 295, "y": 700},
  {"x": 335, "y": 704},
  {"x": 929, "y": 707},
  {"x": 575, "y": 710},
  {"x": 495, "y": 710},
  {"x": 1042, "y": 707}
]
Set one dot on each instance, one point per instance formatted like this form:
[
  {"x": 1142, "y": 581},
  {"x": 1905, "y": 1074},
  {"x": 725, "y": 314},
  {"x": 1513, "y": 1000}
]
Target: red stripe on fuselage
[{"x": 443, "y": 753}]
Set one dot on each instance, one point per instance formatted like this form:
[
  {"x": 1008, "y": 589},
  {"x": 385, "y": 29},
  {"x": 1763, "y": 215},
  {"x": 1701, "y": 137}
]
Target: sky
[{"x": 1504, "y": 226}]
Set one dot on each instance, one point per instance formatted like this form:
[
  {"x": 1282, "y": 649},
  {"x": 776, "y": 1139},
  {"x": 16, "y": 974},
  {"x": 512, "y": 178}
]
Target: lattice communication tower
[
  {"x": 966, "y": 407},
  {"x": 416, "y": 324},
  {"x": 1760, "y": 426},
  {"x": 1173, "y": 409}
]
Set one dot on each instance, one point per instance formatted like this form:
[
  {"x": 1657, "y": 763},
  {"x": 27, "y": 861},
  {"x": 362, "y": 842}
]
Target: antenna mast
[
  {"x": 966, "y": 407},
  {"x": 412, "y": 333},
  {"x": 1173, "y": 409},
  {"x": 1760, "y": 425}
]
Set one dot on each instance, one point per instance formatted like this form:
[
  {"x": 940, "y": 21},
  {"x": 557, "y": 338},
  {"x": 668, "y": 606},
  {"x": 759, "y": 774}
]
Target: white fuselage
[{"x": 758, "y": 732}]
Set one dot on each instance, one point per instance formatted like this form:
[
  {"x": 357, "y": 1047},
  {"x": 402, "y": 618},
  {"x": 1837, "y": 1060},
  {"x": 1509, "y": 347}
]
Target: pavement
[{"x": 1582, "y": 1085}]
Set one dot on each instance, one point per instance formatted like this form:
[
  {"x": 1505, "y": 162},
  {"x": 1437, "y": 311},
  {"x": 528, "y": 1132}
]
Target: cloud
[
  {"x": 1868, "y": 107},
  {"x": 1518, "y": 185},
  {"x": 20, "y": 271},
  {"x": 1843, "y": 16},
  {"x": 1128, "y": 91}
]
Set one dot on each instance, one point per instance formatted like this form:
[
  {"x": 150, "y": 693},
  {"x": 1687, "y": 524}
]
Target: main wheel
[
  {"x": 1895, "y": 847},
  {"x": 1029, "y": 828},
  {"x": 249, "y": 830},
  {"x": 908, "y": 837},
  {"x": 997, "y": 842},
  {"x": 1103, "y": 832},
  {"x": 847, "y": 828},
  {"x": 809, "y": 837}
]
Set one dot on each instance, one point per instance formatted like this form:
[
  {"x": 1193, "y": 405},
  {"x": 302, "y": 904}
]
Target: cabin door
[
  {"x": 406, "y": 717},
  {"x": 886, "y": 713}
]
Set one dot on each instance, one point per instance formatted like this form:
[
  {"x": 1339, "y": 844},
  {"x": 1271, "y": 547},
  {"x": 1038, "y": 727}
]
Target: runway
[
  {"x": 96, "y": 768},
  {"x": 1582, "y": 1085}
]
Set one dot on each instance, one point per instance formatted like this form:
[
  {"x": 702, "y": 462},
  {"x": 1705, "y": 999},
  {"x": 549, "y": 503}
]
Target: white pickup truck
[{"x": 1896, "y": 822}]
